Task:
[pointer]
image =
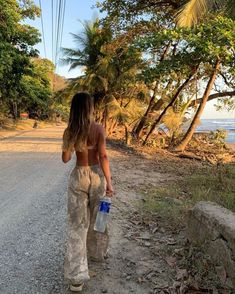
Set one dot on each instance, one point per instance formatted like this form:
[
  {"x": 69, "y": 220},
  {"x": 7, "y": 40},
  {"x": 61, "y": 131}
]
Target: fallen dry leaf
[
  {"x": 181, "y": 274},
  {"x": 171, "y": 261}
]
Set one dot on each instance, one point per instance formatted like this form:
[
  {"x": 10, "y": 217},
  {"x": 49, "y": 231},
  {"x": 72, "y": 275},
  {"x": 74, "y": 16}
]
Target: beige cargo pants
[{"x": 86, "y": 187}]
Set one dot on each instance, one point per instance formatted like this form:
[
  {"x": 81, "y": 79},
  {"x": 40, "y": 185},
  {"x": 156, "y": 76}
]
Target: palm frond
[
  {"x": 77, "y": 63},
  {"x": 79, "y": 39},
  {"x": 193, "y": 11},
  {"x": 71, "y": 52},
  {"x": 73, "y": 62}
]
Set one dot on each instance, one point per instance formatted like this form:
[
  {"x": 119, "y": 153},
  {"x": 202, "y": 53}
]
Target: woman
[{"x": 86, "y": 187}]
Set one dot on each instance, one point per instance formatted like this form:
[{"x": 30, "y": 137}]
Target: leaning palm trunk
[
  {"x": 192, "y": 128},
  {"x": 143, "y": 120},
  {"x": 137, "y": 131},
  {"x": 158, "y": 120}
]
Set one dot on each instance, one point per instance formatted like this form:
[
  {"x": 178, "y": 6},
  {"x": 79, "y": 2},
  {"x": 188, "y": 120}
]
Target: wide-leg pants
[{"x": 85, "y": 188}]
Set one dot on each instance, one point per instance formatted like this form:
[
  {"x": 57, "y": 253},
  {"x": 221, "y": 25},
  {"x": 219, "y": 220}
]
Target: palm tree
[
  {"x": 87, "y": 55},
  {"x": 110, "y": 67},
  {"x": 194, "y": 10},
  {"x": 89, "y": 43}
]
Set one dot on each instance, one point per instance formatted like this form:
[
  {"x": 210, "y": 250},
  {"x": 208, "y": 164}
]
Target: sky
[{"x": 77, "y": 11}]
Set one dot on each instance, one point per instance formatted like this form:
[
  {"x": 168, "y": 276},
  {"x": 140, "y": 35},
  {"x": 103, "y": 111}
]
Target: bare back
[{"x": 90, "y": 156}]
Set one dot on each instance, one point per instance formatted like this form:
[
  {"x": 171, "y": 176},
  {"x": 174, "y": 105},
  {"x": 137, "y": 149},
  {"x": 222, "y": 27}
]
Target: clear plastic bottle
[{"x": 102, "y": 215}]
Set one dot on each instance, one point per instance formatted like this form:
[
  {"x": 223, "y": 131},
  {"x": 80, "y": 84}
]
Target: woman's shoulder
[{"x": 98, "y": 127}]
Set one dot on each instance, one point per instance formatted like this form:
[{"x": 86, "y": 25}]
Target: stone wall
[{"x": 213, "y": 226}]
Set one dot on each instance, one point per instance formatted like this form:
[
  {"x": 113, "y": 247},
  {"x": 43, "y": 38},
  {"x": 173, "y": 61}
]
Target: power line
[
  {"x": 59, "y": 27},
  {"x": 58, "y": 30},
  {"x": 55, "y": 9},
  {"x": 43, "y": 34},
  {"x": 52, "y": 28},
  {"x": 58, "y": 8},
  {"x": 62, "y": 30}
]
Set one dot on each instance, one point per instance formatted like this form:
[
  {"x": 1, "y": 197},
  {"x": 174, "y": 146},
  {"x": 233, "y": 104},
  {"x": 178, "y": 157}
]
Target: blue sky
[
  {"x": 76, "y": 11},
  {"x": 80, "y": 10}
]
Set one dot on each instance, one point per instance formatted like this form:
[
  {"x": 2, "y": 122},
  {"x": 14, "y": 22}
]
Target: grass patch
[
  {"x": 163, "y": 201},
  {"x": 171, "y": 201},
  {"x": 216, "y": 185}
]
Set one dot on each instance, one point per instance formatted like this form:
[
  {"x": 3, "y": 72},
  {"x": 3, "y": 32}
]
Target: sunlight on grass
[{"x": 172, "y": 201}]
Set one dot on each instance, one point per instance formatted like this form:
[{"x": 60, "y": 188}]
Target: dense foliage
[
  {"x": 183, "y": 67},
  {"x": 25, "y": 79}
]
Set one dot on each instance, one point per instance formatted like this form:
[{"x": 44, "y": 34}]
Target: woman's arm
[
  {"x": 66, "y": 150},
  {"x": 104, "y": 162},
  {"x": 66, "y": 156}
]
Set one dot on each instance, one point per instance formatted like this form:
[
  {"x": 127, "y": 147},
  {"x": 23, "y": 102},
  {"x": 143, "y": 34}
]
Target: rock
[
  {"x": 213, "y": 226},
  {"x": 147, "y": 244},
  {"x": 145, "y": 236}
]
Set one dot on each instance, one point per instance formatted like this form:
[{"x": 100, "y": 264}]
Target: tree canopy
[
  {"x": 178, "y": 62},
  {"x": 24, "y": 78}
]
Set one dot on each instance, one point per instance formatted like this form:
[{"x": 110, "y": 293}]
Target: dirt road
[{"x": 33, "y": 220}]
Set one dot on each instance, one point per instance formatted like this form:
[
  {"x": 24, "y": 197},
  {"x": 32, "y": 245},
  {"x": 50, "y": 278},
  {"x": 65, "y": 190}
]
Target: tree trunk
[
  {"x": 213, "y": 96},
  {"x": 127, "y": 137},
  {"x": 14, "y": 109},
  {"x": 191, "y": 130},
  {"x": 137, "y": 131},
  {"x": 111, "y": 126},
  {"x": 144, "y": 118},
  {"x": 105, "y": 117},
  {"x": 158, "y": 120}
]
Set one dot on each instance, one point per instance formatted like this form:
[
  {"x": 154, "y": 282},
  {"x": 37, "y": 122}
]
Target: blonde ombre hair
[{"x": 80, "y": 119}]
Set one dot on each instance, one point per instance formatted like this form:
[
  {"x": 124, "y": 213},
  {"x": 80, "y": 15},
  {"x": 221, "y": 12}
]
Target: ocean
[{"x": 214, "y": 124}]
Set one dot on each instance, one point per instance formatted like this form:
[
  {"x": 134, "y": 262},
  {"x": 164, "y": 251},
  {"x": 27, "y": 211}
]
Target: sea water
[{"x": 214, "y": 124}]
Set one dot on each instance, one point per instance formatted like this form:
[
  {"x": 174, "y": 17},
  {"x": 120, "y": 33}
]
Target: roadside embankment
[{"x": 213, "y": 227}]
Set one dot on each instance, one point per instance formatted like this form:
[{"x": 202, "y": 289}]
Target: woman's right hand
[{"x": 109, "y": 190}]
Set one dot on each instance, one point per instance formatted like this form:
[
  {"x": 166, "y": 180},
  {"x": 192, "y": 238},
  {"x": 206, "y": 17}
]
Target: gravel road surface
[{"x": 32, "y": 212}]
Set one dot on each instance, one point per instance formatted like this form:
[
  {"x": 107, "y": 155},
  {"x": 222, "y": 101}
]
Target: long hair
[{"x": 80, "y": 118}]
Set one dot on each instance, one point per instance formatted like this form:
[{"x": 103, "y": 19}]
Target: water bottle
[{"x": 102, "y": 215}]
